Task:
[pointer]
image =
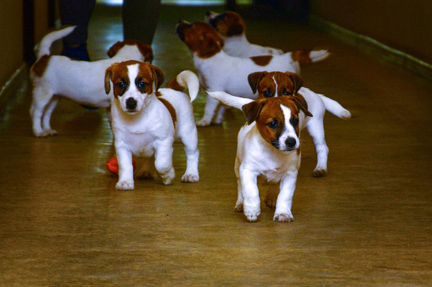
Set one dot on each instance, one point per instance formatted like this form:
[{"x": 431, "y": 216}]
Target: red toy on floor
[{"x": 112, "y": 165}]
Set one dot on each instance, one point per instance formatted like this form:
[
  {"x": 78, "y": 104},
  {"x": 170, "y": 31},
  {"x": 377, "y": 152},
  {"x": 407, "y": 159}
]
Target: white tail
[
  {"x": 45, "y": 44},
  {"x": 335, "y": 108},
  {"x": 318, "y": 55},
  {"x": 230, "y": 100},
  {"x": 189, "y": 80}
]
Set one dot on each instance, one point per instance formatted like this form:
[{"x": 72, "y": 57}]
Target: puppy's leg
[
  {"x": 190, "y": 141},
  {"x": 239, "y": 203},
  {"x": 209, "y": 112},
  {"x": 41, "y": 98},
  {"x": 46, "y": 120},
  {"x": 163, "y": 160},
  {"x": 126, "y": 181},
  {"x": 250, "y": 194},
  {"x": 218, "y": 120},
  {"x": 316, "y": 129},
  {"x": 284, "y": 201}
]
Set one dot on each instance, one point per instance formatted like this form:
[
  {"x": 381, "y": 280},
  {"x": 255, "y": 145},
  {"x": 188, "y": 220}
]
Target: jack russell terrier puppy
[
  {"x": 146, "y": 120},
  {"x": 222, "y": 72},
  {"x": 55, "y": 76},
  {"x": 269, "y": 145},
  {"x": 278, "y": 84},
  {"x": 232, "y": 28}
]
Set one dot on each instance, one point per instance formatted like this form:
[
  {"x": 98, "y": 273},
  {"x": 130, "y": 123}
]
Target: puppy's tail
[
  {"x": 307, "y": 56},
  {"x": 230, "y": 100},
  {"x": 186, "y": 80},
  {"x": 45, "y": 45},
  {"x": 335, "y": 108}
]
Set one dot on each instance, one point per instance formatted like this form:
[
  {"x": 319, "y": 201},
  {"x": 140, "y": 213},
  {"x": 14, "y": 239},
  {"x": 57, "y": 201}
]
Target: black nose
[
  {"x": 290, "y": 142},
  {"x": 131, "y": 104}
]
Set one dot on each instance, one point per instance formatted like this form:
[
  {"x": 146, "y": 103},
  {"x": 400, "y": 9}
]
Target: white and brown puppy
[
  {"x": 269, "y": 145},
  {"x": 278, "y": 84},
  {"x": 146, "y": 120},
  {"x": 55, "y": 76},
  {"x": 232, "y": 28},
  {"x": 222, "y": 72}
]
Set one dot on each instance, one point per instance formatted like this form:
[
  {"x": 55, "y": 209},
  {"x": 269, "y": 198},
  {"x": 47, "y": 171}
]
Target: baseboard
[
  {"x": 373, "y": 47},
  {"x": 11, "y": 85}
]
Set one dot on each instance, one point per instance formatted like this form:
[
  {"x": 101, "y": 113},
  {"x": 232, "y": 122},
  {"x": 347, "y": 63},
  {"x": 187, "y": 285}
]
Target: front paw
[
  {"x": 319, "y": 172},
  {"x": 125, "y": 185},
  {"x": 168, "y": 177},
  {"x": 251, "y": 214},
  {"x": 283, "y": 217},
  {"x": 190, "y": 177},
  {"x": 203, "y": 123}
]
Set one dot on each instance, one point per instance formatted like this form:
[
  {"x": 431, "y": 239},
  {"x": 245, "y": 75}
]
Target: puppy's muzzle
[{"x": 131, "y": 104}]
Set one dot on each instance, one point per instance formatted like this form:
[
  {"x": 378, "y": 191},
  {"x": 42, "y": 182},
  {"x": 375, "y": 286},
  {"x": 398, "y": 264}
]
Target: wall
[{"x": 404, "y": 25}]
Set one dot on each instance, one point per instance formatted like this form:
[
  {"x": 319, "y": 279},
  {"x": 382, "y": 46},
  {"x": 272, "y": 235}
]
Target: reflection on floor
[{"x": 368, "y": 223}]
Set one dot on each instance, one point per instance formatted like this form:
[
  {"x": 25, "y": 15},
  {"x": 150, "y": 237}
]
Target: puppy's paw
[
  {"x": 190, "y": 177},
  {"x": 203, "y": 123},
  {"x": 50, "y": 132},
  {"x": 125, "y": 185},
  {"x": 45, "y": 133},
  {"x": 283, "y": 217},
  {"x": 252, "y": 215},
  {"x": 168, "y": 177},
  {"x": 319, "y": 172}
]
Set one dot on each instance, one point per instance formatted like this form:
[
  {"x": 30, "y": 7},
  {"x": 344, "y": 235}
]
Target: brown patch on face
[
  {"x": 147, "y": 75},
  {"x": 170, "y": 109},
  {"x": 200, "y": 38},
  {"x": 261, "y": 60},
  {"x": 40, "y": 66},
  {"x": 145, "y": 50},
  {"x": 301, "y": 56},
  {"x": 287, "y": 84},
  {"x": 228, "y": 24},
  {"x": 173, "y": 84}
]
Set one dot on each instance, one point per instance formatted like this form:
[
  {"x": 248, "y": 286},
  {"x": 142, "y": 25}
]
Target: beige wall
[
  {"x": 11, "y": 33},
  {"x": 401, "y": 24}
]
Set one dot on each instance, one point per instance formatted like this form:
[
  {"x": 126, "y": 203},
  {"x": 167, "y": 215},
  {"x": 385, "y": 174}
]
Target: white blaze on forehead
[
  {"x": 133, "y": 71},
  {"x": 288, "y": 130},
  {"x": 276, "y": 87}
]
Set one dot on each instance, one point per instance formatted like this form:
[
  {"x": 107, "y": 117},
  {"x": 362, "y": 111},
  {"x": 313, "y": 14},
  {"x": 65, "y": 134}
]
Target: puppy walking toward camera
[
  {"x": 269, "y": 145},
  {"x": 55, "y": 76},
  {"x": 222, "y": 72},
  {"x": 146, "y": 120}
]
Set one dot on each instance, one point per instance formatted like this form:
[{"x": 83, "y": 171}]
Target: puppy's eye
[
  {"x": 122, "y": 85},
  {"x": 141, "y": 85},
  {"x": 294, "y": 122},
  {"x": 268, "y": 93},
  {"x": 285, "y": 92},
  {"x": 274, "y": 124}
]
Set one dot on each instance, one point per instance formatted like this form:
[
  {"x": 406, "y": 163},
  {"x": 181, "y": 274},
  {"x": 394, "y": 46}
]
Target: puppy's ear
[
  {"x": 108, "y": 74},
  {"x": 301, "y": 104},
  {"x": 254, "y": 80},
  {"x": 252, "y": 110},
  {"x": 296, "y": 80},
  {"x": 158, "y": 76},
  {"x": 146, "y": 51},
  {"x": 112, "y": 51}
]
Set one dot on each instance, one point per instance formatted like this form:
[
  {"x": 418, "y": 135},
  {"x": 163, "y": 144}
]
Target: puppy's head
[
  {"x": 277, "y": 120},
  {"x": 275, "y": 84},
  {"x": 228, "y": 24},
  {"x": 200, "y": 38},
  {"x": 131, "y": 48},
  {"x": 133, "y": 84}
]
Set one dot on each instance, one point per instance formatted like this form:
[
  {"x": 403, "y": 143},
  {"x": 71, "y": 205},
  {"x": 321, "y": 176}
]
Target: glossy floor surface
[{"x": 368, "y": 223}]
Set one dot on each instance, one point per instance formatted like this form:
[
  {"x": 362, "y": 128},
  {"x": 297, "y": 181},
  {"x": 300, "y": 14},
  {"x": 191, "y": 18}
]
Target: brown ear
[
  {"x": 254, "y": 80},
  {"x": 302, "y": 104},
  {"x": 108, "y": 74},
  {"x": 146, "y": 51},
  {"x": 296, "y": 80},
  {"x": 252, "y": 110},
  {"x": 112, "y": 51},
  {"x": 158, "y": 75}
]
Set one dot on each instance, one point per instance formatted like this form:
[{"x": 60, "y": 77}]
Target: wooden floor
[{"x": 368, "y": 223}]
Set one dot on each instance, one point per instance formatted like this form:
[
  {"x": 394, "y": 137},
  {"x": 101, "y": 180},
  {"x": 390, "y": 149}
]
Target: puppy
[
  {"x": 232, "y": 28},
  {"x": 278, "y": 84},
  {"x": 146, "y": 120},
  {"x": 58, "y": 76},
  {"x": 269, "y": 145},
  {"x": 221, "y": 72}
]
